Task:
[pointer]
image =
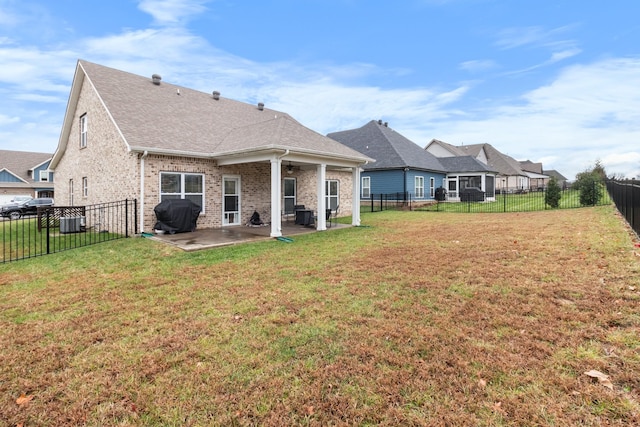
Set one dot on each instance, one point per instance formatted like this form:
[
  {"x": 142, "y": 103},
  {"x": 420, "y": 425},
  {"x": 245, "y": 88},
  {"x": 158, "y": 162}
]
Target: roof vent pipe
[
  {"x": 386, "y": 124},
  {"x": 260, "y": 106},
  {"x": 379, "y": 122},
  {"x": 156, "y": 79},
  {"x": 216, "y": 95}
]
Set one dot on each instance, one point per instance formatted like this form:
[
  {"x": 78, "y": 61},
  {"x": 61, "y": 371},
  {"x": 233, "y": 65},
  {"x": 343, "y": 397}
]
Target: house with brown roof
[
  {"x": 510, "y": 175},
  {"x": 126, "y": 136},
  {"x": 24, "y": 173}
]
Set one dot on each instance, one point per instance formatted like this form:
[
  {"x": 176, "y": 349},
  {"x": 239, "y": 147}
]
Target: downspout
[
  {"x": 284, "y": 154},
  {"x": 144, "y": 155}
]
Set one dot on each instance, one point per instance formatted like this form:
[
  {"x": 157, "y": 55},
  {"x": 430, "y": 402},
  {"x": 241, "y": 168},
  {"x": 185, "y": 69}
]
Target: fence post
[
  {"x": 135, "y": 216},
  {"x": 47, "y": 230},
  {"x": 126, "y": 217}
]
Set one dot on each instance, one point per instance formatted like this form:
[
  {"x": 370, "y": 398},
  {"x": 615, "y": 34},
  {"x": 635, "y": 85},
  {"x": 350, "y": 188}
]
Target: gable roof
[
  {"x": 390, "y": 149},
  {"x": 21, "y": 163},
  {"x": 529, "y": 166},
  {"x": 556, "y": 174},
  {"x": 464, "y": 164},
  {"x": 502, "y": 163},
  {"x": 168, "y": 119},
  {"x": 451, "y": 149}
]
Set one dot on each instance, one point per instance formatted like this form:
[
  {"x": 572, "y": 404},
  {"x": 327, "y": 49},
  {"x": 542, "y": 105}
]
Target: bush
[
  {"x": 589, "y": 184},
  {"x": 553, "y": 194}
]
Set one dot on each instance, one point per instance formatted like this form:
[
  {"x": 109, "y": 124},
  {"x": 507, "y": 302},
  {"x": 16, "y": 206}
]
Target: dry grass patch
[{"x": 423, "y": 319}]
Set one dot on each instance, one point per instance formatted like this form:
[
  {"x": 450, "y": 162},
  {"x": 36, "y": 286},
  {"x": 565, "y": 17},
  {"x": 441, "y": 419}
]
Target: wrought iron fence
[
  {"x": 58, "y": 228},
  {"x": 383, "y": 202},
  {"x": 626, "y": 196},
  {"x": 517, "y": 201},
  {"x": 526, "y": 201}
]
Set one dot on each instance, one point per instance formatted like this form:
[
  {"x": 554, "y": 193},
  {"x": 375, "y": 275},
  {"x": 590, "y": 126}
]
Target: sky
[{"x": 550, "y": 81}]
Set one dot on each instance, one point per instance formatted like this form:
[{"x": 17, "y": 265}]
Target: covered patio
[{"x": 216, "y": 237}]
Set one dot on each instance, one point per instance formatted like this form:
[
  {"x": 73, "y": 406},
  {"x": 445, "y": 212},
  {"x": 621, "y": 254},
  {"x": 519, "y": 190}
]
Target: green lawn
[
  {"x": 419, "y": 318},
  {"x": 529, "y": 202}
]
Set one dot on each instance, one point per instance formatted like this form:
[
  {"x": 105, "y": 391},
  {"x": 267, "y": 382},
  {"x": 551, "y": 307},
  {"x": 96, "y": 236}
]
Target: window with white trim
[
  {"x": 419, "y": 187},
  {"x": 332, "y": 194},
  {"x": 366, "y": 187},
  {"x": 85, "y": 186},
  {"x": 44, "y": 176},
  {"x": 83, "y": 131},
  {"x": 175, "y": 185},
  {"x": 432, "y": 187},
  {"x": 71, "y": 192}
]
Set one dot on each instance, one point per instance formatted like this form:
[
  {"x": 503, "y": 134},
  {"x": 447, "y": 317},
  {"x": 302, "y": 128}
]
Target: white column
[
  {"x": 276, "y": 218},
  {"x": 355, "y": 209},
  {"x": 322, "y": 206}
]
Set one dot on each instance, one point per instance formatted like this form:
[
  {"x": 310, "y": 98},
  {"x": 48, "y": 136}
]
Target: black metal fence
[
  {"x": 517, "y": 201},
  {"x": 58, "y": 228},
  {"x": 626, "y": 196},
  {"x": 383, "y": 202}
]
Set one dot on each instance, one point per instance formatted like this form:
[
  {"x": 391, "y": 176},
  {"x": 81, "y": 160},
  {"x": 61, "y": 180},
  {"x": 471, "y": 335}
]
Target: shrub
[{"x": 553, "y": 194}]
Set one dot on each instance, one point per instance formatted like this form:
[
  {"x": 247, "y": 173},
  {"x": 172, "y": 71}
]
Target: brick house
[{"x": 125, "y": 136}]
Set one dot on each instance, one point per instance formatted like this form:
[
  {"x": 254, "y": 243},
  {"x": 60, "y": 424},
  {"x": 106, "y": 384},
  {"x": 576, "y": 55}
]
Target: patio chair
[{"x": 331, "y": 215}]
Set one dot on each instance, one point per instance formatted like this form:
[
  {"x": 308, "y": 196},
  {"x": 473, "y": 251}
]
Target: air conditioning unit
[{"x": 73, "y": 224}]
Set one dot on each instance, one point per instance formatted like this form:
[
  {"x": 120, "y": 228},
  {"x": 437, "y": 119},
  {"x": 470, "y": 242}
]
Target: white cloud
[
  {"x": 587, "y": 113},
  {"x": 169, "y": 12}
]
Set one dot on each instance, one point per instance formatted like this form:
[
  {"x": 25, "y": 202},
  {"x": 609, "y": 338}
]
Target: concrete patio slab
[{"x": 216, "y": 237}]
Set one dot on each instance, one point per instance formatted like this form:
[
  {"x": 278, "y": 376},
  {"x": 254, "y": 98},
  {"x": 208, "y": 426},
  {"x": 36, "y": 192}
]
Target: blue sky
[{"x": 553, "y": 81}]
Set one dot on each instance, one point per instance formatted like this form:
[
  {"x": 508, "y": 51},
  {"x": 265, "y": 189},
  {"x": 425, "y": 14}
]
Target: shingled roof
[
  {"x": 464, "y": 164},
  {"x": 20, "y": 164},
  {"x": 497, "y": 161},
  {"x": 164, "y": 118},
  {"x": 390, "y": 149}
]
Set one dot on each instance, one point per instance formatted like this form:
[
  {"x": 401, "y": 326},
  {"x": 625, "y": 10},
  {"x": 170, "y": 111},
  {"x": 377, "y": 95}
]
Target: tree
[
  {"x": 590, "y": 184},
  {"x": 553, "y": 194}
]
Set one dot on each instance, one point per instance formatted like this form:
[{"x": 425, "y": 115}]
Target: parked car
[
  {"x": 29, "y": 207},
  {"x": 21, "y": 199}
]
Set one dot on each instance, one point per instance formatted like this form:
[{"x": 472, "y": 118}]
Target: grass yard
[
  {"x": 420, "y": 319},
  {"x": 528, "y": 202}
]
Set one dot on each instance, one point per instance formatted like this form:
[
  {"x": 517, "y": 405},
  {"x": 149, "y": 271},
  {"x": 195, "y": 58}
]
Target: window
[
  {"x": 44, "y": 176},
  {"x": 366, "y": 187},
  {"x": 83, "y": 131},
  {"x": 85, "y": 187},
  {"x": 182, "y": 186},
  {"x": 289, "y": 195},
  {"x": 432, "y": 187},
  {"x": 71, "y": 192},
  {"x": 419, "y": 190},
  {"x": 332, "y": 194}
]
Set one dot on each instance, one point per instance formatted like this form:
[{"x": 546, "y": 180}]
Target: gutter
[{"x": 144, "y": 155}]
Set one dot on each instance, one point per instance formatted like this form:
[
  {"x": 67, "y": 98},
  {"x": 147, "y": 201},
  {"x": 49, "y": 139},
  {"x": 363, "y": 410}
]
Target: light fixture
[{"x": 289, "y": 169}]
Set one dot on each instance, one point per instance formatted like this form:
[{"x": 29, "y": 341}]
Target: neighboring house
[
  {"x": 400, "y": 165},
  {"x": 130, "y": 137},
  {"x": 23, "y": 173},
  {"x": 465, "y": 173},
  {"x": 510, "y": 175},
  {"x": 561, "y": 179},
  {"x": 537, "y": 179}
]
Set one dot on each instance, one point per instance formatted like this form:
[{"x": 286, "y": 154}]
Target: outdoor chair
[{"x": 331, "y": 214}]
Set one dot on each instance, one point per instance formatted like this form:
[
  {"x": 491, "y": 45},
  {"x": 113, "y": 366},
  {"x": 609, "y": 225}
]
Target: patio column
[
  {"x": 276, "y": 218},
  {"x": 322, "y": 206},
  {"x": 355, "y": 209}
]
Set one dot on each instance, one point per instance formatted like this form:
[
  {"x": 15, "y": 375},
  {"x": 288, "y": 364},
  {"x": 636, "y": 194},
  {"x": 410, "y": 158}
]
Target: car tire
[{"x": 15, "y": 215}]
